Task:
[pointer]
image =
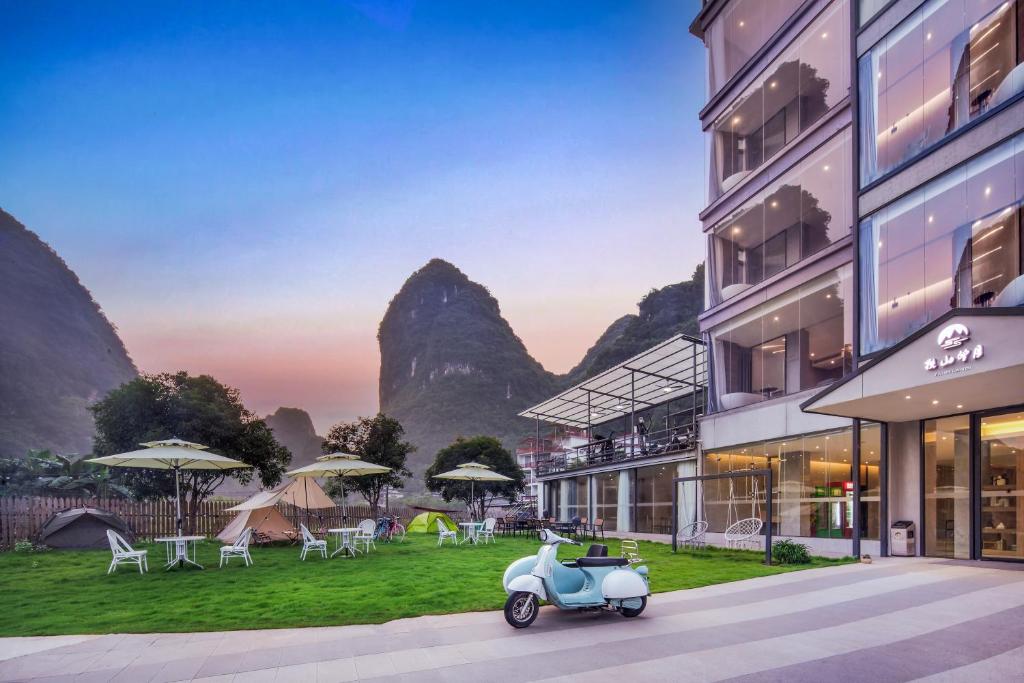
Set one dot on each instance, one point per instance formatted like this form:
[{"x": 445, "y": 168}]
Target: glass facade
[
  {"x": 787, "y": 222},
  {"x": 870, "y": 479},
  {"x": 799, "y": 87},
  {"x": 654, "y": 499},
  {"x": 606, "y": 499},
  {"x": 947, "y": 503},
  {"x": 866, "y": 9},
  {"x": 813, "y": 485},
  {"x": 947, "y": 64},
  {"x": 739, "y": 32},
  {"x": 952, "y": 243},
  {"x": 1002, "y": 486},
  {"x": 797, "y": 341},
  {"x": 578, "y": 505}
]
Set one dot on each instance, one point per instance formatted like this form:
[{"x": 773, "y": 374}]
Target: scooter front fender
[
  {"x": 623, "y": 583},
  {"x": 527, "y": 584},
  {"x": 522, "y": 566}
]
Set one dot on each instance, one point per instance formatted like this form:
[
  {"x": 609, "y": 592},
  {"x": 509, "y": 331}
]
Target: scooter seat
[{"x": 601, "y": 562}]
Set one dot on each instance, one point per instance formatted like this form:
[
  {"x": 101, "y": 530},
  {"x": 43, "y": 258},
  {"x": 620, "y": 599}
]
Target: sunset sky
[{"x": 244, "y": 185}]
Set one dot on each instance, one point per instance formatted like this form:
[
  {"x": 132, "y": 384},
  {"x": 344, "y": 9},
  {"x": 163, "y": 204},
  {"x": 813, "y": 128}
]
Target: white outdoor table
[
  {"x": 345, "y": 541},
  {"x": 470, "y": 531},
  {"x": 179, "y": 555}
]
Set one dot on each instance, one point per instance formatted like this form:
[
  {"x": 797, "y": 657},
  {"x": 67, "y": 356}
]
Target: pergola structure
[{"x": 674, "y": 369}]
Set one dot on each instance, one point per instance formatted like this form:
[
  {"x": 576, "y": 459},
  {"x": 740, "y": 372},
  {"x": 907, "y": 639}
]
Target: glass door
[
  {"x": 947, "y": 502},
  {"x": 1001, "y": 445}
]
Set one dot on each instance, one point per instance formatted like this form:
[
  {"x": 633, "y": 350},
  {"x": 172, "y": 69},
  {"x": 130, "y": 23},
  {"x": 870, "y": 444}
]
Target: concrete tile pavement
[{"x": 855, "y": 621}]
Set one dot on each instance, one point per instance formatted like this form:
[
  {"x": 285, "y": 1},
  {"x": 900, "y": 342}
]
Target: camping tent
[
  {"x": 267, "y": 521},
  {"x": 426, "y": 522},
  {"x": 260, "y": 511},
  {"x": 81, "y": 528}
]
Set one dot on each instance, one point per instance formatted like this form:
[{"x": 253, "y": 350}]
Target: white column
[
  {"x": 591, "y": 503},
  {"x": 624, "y": 508},
  {"x": 687, "y": 493},
  {"x": 542, "y": 495},
  {"x": 563, "y": 500}
]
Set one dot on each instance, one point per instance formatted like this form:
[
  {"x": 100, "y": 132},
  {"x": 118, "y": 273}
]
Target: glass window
[
  {"x": 867, "y": 9},
  {"x": 947, "y": 448},
  {"x": 606, "y": 499},
  {"x": 654, "y": 499},
  {"x": 946, "y": 64},
  {"x": 870, "y": 479},
  {"x": 954, "y": 243},
  {"x": 579, "y": 498},
  {"x": 790, "y": 220},
  {"x": 739, "y": 32},
  {"x": 1002, "y": 486},
  {"x": 795, "y": 91},
  {"x": 794, "y": 342}
]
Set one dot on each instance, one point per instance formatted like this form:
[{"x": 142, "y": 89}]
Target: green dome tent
[{"x": 426, "y": 522}]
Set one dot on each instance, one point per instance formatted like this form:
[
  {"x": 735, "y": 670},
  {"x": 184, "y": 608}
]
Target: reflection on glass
[
  {"x": 948, "y": 63},
  {"x": 579, "y": 488},
  {"x": 954, "y": 243},
  {"x": 789, "y": 221},
  {"x": 946, "y": 485},
  {"x": 797, "y": 341},
  {"x": 606, "y": 499},
  {"x": 654, "y": 499},
  {"x": 870, "y": 482},
  {"x": 1002, "y": 485},
  {"x": 797, "y": 90},
  {"x": 739, "y": 32}
]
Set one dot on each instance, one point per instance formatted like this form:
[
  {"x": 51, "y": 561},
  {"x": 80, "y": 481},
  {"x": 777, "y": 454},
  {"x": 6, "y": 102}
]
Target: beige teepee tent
[{"x": 261, "y": 513}]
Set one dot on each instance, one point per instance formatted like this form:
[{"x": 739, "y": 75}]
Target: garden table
[
  {"x": 177, "y": 550},
  {"x": 470, "y": 531},
  {"x": 345, "y": 544}
]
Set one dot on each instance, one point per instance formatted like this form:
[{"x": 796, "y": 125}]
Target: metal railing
[{"x": 619, "y": 449}]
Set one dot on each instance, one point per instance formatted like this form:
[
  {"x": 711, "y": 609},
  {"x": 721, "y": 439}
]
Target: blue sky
[{"x": 244, "y": 185}]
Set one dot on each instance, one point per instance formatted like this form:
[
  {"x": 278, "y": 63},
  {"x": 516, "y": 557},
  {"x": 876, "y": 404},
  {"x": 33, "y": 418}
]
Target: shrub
[
  {"x": 24, "y": 546},
  {"x": 790, "y": 552}
]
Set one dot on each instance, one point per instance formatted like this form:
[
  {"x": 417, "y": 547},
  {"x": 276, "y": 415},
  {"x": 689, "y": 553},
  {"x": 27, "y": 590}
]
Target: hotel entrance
[{"x": 973, "y": 465}]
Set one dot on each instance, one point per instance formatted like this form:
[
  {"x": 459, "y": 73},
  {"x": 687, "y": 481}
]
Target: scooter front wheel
[
  {"x": 635, "y": 611},
  {"x": 521, "y": 609}
]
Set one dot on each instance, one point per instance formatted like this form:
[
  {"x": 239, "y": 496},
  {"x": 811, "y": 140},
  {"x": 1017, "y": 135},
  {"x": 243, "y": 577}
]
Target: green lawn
[{"x": 64, "y": 592}]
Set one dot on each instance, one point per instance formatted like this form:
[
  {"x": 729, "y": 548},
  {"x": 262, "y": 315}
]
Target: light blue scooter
[{"x": 592, "y": 582}]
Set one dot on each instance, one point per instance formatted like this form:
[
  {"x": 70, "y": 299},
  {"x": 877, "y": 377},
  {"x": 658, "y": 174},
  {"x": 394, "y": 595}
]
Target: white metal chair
[
  {"x": 125, "y": 553},
  {"x": 240, "y": 548},
  {"x": 692, "y": 535},
  {"x": 311, "y": 542},
  {"x": 444, "y": 532},
  {"x": 631, "y": 551},
  {"x": 486, "y": 532},
  {"x": 364, "y": 534},
  {"x": 743, "y": 533}
]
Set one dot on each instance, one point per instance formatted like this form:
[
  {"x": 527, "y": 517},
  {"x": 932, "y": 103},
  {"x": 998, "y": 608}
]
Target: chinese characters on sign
[{"x": 961, "y": 356}]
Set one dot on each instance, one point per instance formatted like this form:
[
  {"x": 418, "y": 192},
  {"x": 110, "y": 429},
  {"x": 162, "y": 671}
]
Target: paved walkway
[{"x": 895, "y": 620}]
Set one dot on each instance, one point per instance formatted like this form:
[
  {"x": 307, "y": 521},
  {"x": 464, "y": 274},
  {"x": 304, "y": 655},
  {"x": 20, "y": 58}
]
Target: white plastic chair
[
  {"x": 364, "y": 534},
  {"x": 487, "y": 531},
  {"x": 444, "y": 532},
  {"x": 692, "y": 535},
  {"x": 743, "y": 533},
  {"x": 631, "y": 551},
  {"x": 310, "y": 542},
  {"x": 125, "y": 553},
  {"x": 240, "y": 548}
]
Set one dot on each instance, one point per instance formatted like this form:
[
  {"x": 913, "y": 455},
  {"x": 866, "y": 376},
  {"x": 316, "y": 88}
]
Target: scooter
[{"x": 592, "y": 582}]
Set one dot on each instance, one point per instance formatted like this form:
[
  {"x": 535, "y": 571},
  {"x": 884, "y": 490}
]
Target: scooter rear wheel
[
  {"x": 521, "y": 609},
  {"x": 635, "y": 611}
]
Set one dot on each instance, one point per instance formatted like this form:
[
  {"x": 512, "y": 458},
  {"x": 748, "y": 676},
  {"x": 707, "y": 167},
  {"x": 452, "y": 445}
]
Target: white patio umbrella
[
  {"x": 339, "y": 465},
  {"x": 171, "y": 454},
  {"x": 472, "y": 472}
]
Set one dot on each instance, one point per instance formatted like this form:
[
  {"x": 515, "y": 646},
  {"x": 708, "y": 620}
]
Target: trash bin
[{"x": 902, "y": 540}]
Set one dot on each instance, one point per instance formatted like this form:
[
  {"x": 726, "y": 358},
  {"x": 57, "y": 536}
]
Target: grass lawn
[{"x": 65, "y": 592}]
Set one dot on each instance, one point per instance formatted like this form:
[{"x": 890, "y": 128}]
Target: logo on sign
[{"x": 953, "y": 337}]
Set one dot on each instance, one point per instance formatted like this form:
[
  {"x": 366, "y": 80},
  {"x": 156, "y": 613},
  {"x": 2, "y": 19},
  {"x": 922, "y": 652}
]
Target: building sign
[{"x": 953, "y": 339}]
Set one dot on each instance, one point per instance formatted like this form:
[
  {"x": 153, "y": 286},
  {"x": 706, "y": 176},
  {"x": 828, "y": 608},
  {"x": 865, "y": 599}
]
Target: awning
[
  {"x": 965, "y": 361},
  {"x": 671, "y": 370}
]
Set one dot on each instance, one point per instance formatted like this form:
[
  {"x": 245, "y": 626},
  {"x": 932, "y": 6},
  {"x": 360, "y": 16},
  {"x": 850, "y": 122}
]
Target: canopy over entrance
[
  {"x": 965, "y": 361},
  {"x": 675, "y": 368}
]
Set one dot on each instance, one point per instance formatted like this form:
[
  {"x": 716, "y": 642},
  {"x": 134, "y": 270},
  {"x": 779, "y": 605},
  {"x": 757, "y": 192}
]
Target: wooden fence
[{"x": 23, "y": 517}]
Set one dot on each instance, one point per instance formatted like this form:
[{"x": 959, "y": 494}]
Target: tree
[
  {"x": 44, "y": 472},
  {"x": 194, "y": 408},
  {"x": 377, "y": 440},
  {"x": 485, "y": 450}
]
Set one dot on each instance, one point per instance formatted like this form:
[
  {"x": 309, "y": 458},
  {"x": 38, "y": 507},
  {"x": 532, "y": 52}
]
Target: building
[
  {"x": 864, "y": 269},
  {"x": 640, "y": 421},
  {"x": 532, "y": 449}
]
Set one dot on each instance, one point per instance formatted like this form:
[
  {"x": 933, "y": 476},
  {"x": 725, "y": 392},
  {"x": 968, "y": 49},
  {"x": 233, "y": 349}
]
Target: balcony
[{"x": 622, "y": 449}]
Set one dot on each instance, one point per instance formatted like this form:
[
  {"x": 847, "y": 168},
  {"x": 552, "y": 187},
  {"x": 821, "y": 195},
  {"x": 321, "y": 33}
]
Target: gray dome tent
[{"x": 81, "y": 528}]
